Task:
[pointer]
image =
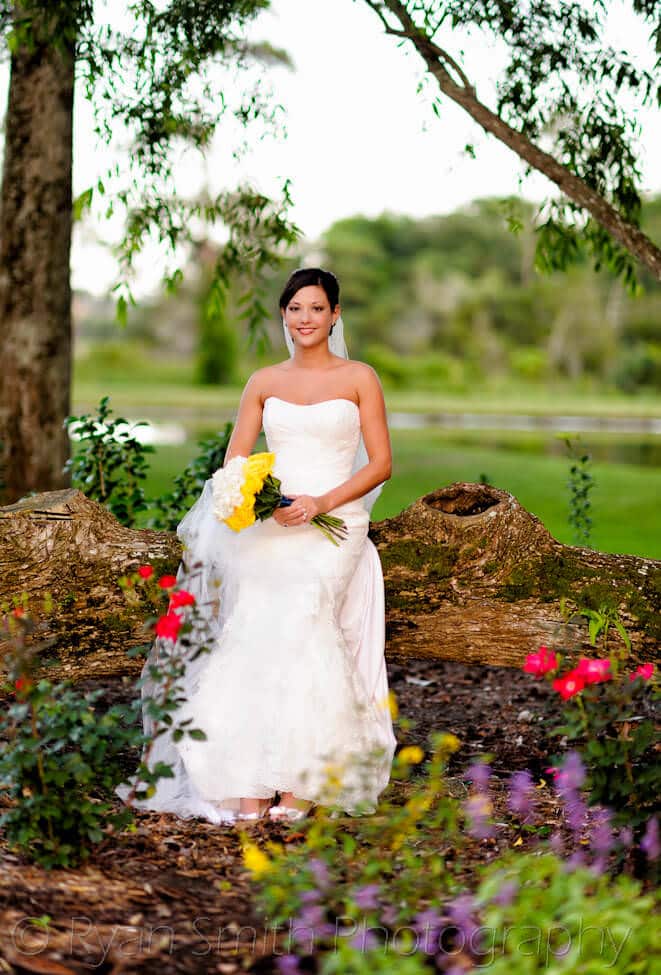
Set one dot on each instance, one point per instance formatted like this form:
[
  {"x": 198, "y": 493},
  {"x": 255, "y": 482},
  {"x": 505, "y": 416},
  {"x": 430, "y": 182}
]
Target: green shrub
[
  {"x": 562, "y": 920},
  {"x": 58, "y": 759}
]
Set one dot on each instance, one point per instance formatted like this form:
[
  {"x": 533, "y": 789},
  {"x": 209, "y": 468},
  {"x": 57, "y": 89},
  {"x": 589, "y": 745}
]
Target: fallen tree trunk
[{"x": 470, "y": 575}]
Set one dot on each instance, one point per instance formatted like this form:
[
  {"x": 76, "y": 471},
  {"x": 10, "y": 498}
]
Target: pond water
[{"x": 622, "y": 440}]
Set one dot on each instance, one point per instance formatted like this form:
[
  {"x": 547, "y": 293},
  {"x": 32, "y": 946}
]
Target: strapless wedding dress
[{"x": 294, "y": 695}]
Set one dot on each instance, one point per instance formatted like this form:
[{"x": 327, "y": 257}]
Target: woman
[{"x": 293, "y": 698}]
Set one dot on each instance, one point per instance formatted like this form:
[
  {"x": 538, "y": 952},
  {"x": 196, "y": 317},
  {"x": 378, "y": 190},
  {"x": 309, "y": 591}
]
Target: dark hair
[{"x": 302, "y": 277}]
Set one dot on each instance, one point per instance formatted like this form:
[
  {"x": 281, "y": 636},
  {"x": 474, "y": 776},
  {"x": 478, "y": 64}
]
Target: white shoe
[{"x": 286, "y": 812}]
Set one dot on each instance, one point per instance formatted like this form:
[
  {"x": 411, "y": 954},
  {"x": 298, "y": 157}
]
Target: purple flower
[
  {"x": 557, "y": 844},
  {"x": 477, "y": 808},
  {"x": 479, "y": 774},
  {"x": 521, "y": 792},
  {"x": 575, "y": 813},
  {"x": 389, "y": 915},
  {"x": 602, "y": 833},
  {"x": 506, "y": 894},
  {"x": 571, "y": 775},
  {"x": 366, "y": 897},
  {"x": 310, "y": 924},
  {"x": 320, "y": 873},
  {"x": 310, "y": 896},
  {"x": 626, "y": 836},
  {"x": 288, "y": 964},
  {"x": 650, "y": 842},
  {"x": 577, "y": 859},
  {"x": 428, "y": 923},
  {"x": 364, "y": 941},
  {"x": 460, "y": 911}
]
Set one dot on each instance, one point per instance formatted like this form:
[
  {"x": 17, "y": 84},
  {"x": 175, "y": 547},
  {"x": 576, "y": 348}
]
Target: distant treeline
[{"x": 446, "y": 300}]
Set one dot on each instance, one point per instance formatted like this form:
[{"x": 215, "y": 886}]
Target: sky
[{"x": 359, "y": 136}]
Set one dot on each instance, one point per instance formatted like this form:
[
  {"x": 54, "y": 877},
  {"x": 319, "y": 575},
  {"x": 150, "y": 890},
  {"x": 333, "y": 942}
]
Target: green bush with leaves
[
  {"x": 610, "y": 714},
  {"x": 539, "y": 916},
  {"x": 392, "y": 892},
  {"x": 59, "y": 758},
  {"x": 111, "y": 465}
]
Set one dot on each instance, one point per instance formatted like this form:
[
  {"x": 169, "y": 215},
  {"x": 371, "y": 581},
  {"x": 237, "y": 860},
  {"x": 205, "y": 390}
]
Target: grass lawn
[
  {"x": 626, "y": 513},
  {"x": 156, "y": 396}
]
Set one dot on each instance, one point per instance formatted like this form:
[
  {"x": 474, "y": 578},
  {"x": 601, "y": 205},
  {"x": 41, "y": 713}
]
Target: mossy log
[{"x": 470, "y": 575}]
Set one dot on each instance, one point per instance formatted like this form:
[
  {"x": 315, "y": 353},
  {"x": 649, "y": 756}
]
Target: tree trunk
[
  {"x": 626, "y": 233},
  {"x": 470, "y": 575},
  {"x": 35, "y": 243}
]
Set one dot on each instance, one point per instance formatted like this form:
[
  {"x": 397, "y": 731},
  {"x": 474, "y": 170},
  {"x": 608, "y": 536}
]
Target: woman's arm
[
  {"x": 377, "y": 443},
  {"x": 248, "y": 420}
]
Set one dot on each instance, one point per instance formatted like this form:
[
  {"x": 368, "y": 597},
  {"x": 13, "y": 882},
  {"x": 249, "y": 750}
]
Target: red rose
[
  {"x": 23, "y": 684},
  {"x": 572, "y": 683},
  {"x": 594, "y": 671},
  {"x": 168, "y": 626},
  {"x": 644, "y": 670},
  {"x": 18, "y": 611},
  {"x": 181, "y": 598},
  {"x": 145, "y": 571},
  {"x": 167, "y": 582},
  {"x": 541, "y": 662}
]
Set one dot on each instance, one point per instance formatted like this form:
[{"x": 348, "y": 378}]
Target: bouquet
[{"x": 245, "y": 490}]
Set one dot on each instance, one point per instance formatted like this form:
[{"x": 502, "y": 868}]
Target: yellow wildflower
[
  {"x": 391, "y": 702},
  {"x": 255, "y": 859},
  {"x": 449, "y": 743},
  {"x": 411, "y": 755}
]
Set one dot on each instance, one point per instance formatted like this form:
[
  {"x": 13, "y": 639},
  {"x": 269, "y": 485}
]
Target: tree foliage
[
  {"x": 564, "y": 87},
  {"x": 163, "y": 78}
]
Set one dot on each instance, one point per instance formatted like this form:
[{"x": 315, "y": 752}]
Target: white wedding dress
[{"x": 294, "y": 694}]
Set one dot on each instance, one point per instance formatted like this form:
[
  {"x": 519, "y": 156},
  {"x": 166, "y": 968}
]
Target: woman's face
[{"x": 309, "y": 316}]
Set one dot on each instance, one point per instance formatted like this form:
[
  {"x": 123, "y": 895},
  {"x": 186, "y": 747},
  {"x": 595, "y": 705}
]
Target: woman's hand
[{"x": 302, "y": 511}]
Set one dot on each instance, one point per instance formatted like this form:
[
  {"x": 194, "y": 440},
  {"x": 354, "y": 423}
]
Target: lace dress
[{"x": 294, "y": 695}]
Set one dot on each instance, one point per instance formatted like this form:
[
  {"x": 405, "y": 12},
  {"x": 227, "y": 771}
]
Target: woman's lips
[{"x": 306, "y": 331}]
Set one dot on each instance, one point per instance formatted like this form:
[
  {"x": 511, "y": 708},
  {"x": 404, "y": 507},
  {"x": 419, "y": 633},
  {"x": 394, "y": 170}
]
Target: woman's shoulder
[{"x": 363, "y": 373}]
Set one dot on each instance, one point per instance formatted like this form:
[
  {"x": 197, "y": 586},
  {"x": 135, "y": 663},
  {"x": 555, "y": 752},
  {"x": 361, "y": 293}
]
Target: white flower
[{"x": 226, "y": 488}]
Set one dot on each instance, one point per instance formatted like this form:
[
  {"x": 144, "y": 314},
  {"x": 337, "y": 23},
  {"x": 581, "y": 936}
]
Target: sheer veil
[{"x": 208, "y": 548}]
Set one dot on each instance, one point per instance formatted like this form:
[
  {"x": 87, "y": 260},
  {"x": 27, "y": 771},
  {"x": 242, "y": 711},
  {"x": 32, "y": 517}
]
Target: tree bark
[
  {"x": 470, "y": 575},
  {"x": 35, "y": 243},
  {"x": 626, "y": 233}
]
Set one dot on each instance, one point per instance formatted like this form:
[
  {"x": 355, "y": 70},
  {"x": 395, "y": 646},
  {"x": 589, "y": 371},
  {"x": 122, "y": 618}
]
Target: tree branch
[{"x": 626, "y": 233}]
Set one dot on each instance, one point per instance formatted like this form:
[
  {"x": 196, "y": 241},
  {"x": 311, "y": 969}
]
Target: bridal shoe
[
  {"x": 290, "y": 813},
  {"x": 253, "y": 816}
]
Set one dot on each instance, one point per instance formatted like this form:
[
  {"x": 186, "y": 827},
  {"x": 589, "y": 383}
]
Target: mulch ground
[{"x": 174, "y": 896}]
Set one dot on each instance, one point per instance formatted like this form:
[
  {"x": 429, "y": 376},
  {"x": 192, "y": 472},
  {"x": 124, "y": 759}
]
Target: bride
[{"x": 293, "y": 698}]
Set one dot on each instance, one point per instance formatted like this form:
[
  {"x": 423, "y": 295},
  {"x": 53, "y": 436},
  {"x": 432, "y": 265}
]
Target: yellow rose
[
  {"x": 259, "y": 465},
  {"x": 243, "y": 517}
]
